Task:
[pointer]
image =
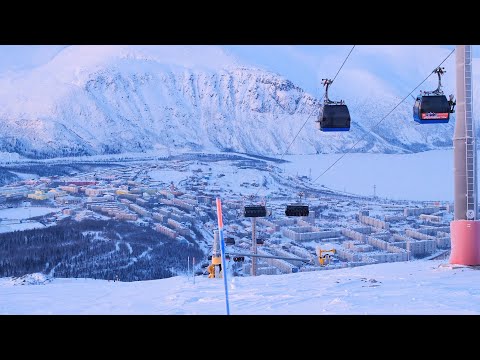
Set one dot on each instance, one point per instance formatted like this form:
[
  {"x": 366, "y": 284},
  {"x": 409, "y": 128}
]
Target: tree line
[{"x": 98, "y": 249}]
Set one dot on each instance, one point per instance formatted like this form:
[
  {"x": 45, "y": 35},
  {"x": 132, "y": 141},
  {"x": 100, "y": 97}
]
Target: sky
[
  {"x": 299, "y": 63},
  {"x": 419, "y": 287},
  {"x": 305, "y": 65},
  {"x": 22, "y": 57}
]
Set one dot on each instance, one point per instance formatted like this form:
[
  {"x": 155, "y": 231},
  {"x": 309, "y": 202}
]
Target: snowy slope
[
  {"x": 113, "y": 99},
  {"x": 416, "y": 287}
]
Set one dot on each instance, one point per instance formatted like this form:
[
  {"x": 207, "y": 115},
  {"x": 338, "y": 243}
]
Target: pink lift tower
[{"x": 465, "y": 228}]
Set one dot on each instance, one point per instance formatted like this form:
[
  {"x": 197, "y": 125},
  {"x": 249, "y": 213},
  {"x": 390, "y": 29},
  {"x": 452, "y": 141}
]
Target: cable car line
[
  {"x": 311, "y": 113},
  {"x": 406, "y": 97},
  {"x": 432, "y": 107},
  {"x": 341, "y": 66},
  {"x": 334, "y": 115},
  {"x": 338, "y": 110}
]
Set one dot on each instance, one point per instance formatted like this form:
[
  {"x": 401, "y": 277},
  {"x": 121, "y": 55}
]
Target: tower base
[{"x": 465, "y": 242}]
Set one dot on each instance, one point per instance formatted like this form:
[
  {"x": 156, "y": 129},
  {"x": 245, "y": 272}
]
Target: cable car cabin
[
  {"x": 297, "y": 210},
  {"x": 334, "y": 117},
  {"x": 260, "y": 241},
  {"x": 255, "y": 211},
  {"x": 229, "y": 241},
  {"x": 431, "y": 109}
]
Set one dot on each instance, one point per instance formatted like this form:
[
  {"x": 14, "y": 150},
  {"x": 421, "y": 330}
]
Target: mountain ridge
[{"x": 91, "y": 100}]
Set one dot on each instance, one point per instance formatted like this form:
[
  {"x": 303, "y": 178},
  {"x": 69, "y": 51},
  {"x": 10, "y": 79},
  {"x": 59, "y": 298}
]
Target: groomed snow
[{"x": 417, "y": 287}]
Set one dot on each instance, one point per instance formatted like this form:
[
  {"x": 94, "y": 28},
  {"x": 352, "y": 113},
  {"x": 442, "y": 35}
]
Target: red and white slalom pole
[{"x": 222, "y": 249}]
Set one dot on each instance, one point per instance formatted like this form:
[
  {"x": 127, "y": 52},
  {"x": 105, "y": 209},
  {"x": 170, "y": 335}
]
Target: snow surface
[
  {"x": 416, "y": 287},
  {"x": 26, "y": 212},
  {"x": 168, "y": 176},
  {"x": 25, "y": 176},
  {"x": 425, "y": 176},
  {"x": 10, "y": 218},
  {"x": 10, "y": 227}
]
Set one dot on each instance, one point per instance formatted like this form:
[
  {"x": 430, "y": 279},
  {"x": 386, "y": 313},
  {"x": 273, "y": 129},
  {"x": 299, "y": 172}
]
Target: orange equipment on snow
[{"x": 324, "y": 259}]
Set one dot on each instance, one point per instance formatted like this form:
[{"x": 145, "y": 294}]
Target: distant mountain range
[{"x": 114, "y": 99}]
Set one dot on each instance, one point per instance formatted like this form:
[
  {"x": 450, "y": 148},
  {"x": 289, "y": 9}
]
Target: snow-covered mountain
[{"x": 114, "y": 99}]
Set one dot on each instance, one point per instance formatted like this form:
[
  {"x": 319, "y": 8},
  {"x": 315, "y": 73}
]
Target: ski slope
[{"x": 418, "y": 287}]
